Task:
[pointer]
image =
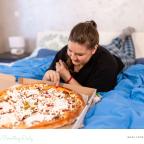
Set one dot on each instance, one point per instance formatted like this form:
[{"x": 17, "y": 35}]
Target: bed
[{"x": 120, "y": 108}]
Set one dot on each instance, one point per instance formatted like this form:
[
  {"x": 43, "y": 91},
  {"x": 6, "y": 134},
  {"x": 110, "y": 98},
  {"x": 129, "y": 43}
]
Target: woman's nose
[{"x": 73, "y": 57}]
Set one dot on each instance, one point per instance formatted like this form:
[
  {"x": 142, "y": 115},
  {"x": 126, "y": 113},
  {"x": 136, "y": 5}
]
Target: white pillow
[{"x": 52, "y": 40}]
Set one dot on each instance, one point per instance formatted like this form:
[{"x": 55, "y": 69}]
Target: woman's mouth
[{"x": 75, "y": 62}]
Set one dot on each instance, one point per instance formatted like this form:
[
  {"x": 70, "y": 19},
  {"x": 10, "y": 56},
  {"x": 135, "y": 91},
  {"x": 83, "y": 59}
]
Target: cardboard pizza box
[{"x": 6, "y": 81}]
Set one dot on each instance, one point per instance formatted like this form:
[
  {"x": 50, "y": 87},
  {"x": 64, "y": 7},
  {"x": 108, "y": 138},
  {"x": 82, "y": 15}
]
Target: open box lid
[{"x": 6, "y": 81}]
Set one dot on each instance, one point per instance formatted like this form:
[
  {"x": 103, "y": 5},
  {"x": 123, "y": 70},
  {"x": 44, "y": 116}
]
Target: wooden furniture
[{"x": 7, "y": 57}]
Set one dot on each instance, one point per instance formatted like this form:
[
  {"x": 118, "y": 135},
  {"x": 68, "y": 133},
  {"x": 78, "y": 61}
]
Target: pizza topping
[
  {"x": 26, "y": 105},
  {"x": 5, "y": 107},
  {"x": 32, "y": 92},
  {"x": 9, "y": 118},
  {"x": 37, "y": 117}
]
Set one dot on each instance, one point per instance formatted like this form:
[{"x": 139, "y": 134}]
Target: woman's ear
[{"x": 94, "y": 50}]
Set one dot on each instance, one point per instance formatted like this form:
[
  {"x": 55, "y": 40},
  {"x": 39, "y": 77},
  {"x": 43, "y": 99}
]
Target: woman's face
[{"x": 79, "y": 53}]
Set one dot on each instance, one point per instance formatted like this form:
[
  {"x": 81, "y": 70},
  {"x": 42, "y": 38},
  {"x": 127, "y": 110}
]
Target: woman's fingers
[
  {"x": 61, "y": 62},
  {"x": 58, "y": 67},
  {"x": 52, "y": 76},
  {"x": 57, "y": 79},
  {"x": 46, "y": 77}
]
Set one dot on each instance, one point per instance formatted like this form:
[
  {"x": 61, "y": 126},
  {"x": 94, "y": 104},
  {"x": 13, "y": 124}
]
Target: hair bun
[{"x": 93, "y": 23}]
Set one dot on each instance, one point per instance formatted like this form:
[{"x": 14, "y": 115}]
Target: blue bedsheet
[
  {"x": 122, "y": 107},
  {"x": 28, "y": 68}
]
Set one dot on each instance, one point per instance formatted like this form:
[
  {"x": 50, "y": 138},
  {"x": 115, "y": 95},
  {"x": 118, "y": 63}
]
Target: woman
[{"x": 84, "y": 62}]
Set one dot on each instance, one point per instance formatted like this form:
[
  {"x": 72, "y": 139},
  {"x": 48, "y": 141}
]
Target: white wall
[
  {"x": 30, "y": 16},
  {"x": 111, "y": 15},
  {"x": 1, "y": 32},
  {"x": 9, "y": 24}
]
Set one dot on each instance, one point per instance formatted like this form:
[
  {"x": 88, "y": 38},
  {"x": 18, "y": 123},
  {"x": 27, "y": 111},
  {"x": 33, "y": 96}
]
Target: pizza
[{"x": 39, "y": 106}]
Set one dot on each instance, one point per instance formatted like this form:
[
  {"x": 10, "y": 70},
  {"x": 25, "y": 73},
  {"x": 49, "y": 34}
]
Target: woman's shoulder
[
  {"x": 102, "y": 52},
  {"x": 102, "y": 55}
]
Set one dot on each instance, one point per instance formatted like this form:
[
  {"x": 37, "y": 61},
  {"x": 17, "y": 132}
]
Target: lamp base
[{"x": 16, "y": 51}]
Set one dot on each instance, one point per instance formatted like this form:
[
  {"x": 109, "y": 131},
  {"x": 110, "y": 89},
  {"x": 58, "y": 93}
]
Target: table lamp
[{"x": 17, "y": 45}]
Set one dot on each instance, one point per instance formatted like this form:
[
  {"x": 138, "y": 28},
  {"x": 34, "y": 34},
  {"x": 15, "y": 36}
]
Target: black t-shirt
[{"x": 99, "y": 72}]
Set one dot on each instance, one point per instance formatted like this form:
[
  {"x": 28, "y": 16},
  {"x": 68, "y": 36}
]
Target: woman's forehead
[{"x": 76, "y": 46}]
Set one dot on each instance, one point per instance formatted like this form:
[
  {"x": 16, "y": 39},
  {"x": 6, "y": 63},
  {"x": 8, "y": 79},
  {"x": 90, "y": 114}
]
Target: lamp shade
[
  {"x": 16, "y": 45},
  {"x": 16, "y": 42}
]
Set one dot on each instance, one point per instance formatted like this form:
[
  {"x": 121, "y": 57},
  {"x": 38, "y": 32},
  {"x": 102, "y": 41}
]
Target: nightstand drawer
[{"x": 8, "y": 57}]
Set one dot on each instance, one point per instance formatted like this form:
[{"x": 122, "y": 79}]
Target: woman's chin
[{"x": 75, "y": 63}]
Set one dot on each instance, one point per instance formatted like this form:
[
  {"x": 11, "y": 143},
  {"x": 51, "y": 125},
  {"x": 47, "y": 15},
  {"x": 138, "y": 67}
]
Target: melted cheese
[
  {"x": 9, "y": 118},
  {"x": 5, "y": 107},
  {"x": 37, "y": 118},
  {"x": 60, "y": 104}
]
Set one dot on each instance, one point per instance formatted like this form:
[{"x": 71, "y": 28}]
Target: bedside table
[{"x": 7, "y": 57}]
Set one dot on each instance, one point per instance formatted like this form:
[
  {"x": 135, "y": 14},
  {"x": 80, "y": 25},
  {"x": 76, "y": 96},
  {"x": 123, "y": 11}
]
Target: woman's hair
[{"x": 85, "y": 33}]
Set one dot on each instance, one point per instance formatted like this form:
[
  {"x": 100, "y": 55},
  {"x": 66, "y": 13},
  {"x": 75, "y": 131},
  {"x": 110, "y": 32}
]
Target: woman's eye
[
  {"x": 79, "y": 54},
  {"x": 69, "y": 50}
]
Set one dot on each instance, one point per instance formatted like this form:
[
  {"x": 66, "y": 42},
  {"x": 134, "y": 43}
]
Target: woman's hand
[
  {"x": 62, "y": 69},
  {"x": 52, "y": 76}
]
